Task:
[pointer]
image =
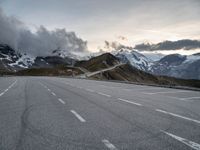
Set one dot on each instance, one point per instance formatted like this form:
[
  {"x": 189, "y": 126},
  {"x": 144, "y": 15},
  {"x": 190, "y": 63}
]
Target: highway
[{"x": 50, "y": 113}]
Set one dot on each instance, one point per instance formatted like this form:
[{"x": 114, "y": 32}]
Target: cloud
[
  {"x": 109, "y": 46},
  {"x": 185, "y": 44},
  {"x": 14, "y": 33}
]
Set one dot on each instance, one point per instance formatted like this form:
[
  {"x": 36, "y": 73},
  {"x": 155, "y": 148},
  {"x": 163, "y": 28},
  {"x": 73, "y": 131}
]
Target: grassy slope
[{"x": 129, "y": 73}]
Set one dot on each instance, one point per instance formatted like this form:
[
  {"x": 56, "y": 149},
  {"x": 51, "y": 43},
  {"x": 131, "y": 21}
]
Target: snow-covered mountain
[
  {"x": 154, "y": 56},
  {"x": 134, "y": 58},
  {"x": 10, "y": 60},
  {"x": 174, "y": 65},
  {"x": 177, "y": 65}
]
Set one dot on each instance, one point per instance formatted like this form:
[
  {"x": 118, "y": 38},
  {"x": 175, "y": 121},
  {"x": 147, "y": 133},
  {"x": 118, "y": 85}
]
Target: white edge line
[
  {"x": 179, "y": 116},
  {"x": 127, "y": 101},
  {"x": 191, "y": 144},
  {"x": 78, "y": 116},
  {"x": 109, "y": 145}
]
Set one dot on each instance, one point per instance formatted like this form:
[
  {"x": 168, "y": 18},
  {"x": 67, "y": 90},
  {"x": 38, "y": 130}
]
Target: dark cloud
[
  {"x": 185, "y": 44},
  {"x": 14, "y": 33}
]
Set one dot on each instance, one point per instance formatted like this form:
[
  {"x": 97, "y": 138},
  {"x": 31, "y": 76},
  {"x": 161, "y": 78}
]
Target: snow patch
[{"x": 25, "y": 61}]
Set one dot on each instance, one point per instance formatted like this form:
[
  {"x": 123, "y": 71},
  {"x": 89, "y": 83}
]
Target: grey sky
[{"x": 100, "y": 20}]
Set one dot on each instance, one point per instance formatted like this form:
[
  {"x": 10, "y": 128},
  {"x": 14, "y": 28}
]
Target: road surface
[{"x": 49, "y": 113}]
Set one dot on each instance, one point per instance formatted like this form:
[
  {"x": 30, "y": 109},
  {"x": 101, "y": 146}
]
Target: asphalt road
[{"x": 47, "y": 113}]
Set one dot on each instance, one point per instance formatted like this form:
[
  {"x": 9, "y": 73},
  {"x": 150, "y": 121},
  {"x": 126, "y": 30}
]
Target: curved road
[{"x": 49, "y": 113}]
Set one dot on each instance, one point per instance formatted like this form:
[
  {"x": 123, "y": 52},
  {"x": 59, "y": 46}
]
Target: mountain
[
  {"x": 175, "y": 65},
  {"x": 103, "y": 67},
  {"x": 197, "y": 54},
  {"x": 133, "y": 58},
  {"x": 126, "y": 72},
  {"x": 12, "y": 61},
  {"x": 100, "y": 62},
  {"x": 61, "y": 68},
  {"x": 51, "y": 61},
  {"x": 153, "y": 56}
]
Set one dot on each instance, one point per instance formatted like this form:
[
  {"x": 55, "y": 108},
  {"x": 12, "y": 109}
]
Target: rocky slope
[
  {"x": 12, "y": 61},
  {"x": 133, "y": 58},
  {"x": 175, "y": 65},
  {"x": 187, "y": 67}
]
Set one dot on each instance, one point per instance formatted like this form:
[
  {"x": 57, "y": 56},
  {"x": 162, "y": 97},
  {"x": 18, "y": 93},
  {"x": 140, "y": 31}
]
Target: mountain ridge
[{"x": 174, "y": 65}]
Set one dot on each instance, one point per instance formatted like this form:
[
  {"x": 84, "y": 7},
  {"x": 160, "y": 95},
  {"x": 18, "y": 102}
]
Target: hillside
[
  {"x": 131, "y": 74},
  {"x": 100, "y": 62}
]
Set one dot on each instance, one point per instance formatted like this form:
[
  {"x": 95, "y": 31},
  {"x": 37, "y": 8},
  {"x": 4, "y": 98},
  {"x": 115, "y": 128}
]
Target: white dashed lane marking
[
  {"x": 59, "y": 99},
  {"x": 53, "y": 93},
  {"x": 191, "y": 144},
  {"x": 104, "y": 94},
  {"x": 130, "y": 102},
  {"x": 179, "y": 116},
  {"x": 177, "y": 98},
  {"x": 78, "y": 116},
  {"x": 89, "y": 90},
  {"x": 63, "y": 102},
  {"x": 109, "y": 145}
]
